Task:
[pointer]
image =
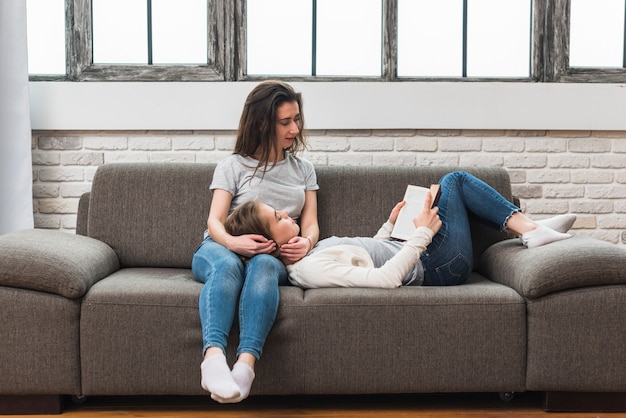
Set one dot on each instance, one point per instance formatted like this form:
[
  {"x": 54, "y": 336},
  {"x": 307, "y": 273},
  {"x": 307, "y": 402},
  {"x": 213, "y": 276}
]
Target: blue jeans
[
  {"x": 229, "y": 282},
  {"x": 448, "y": 260}
]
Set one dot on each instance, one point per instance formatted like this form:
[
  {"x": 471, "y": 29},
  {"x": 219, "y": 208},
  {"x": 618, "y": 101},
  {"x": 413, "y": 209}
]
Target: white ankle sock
[
  {"x": 216, "y": 378},
  {"x": 244, "y": 376},
  {"x": 542, "y": 236},
  {"x": 560, "y": 223}
]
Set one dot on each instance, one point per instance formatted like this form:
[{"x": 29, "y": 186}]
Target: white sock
[
  {"x": 542, "y": 236},
  {"x": 216, "y": 378},
  {"x": 559, "y": 223},
  {"x": 244, "y": 376}
]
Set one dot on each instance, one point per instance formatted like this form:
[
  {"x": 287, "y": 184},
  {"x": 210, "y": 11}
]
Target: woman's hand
[
  {"x": 428, "y": 217},
  {"x": 393, "y": 216},
  {"x": 251, "y": 245},
  {"x": 295, "y": 249}
]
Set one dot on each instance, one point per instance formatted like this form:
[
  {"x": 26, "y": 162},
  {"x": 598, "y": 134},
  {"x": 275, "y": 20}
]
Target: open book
[{"x": 414, "y": 196}]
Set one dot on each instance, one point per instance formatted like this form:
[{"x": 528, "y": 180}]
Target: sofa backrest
[
  {"x": 154, "y": 214},
  {"x": 356, "y": 201},
  {"x": 151, "y": 214}
]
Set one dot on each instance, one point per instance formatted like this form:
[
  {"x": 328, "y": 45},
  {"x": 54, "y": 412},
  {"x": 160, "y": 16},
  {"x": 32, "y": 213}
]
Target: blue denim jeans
[
  {"x": 448, "y": 260},
  {"x": 228, "y": 283}
]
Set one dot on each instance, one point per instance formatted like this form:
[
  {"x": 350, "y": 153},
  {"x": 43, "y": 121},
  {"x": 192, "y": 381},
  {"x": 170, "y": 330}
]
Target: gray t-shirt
[{"x": 282, "y": 186}]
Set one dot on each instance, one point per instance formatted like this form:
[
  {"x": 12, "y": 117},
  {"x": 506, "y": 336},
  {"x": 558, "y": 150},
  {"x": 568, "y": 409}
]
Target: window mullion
[
  {"x": 149, "y": 28},
  {"x": 624, "y": 46},
  {"x": 464, "y": 62},
  {"x": 78, "y": 36},
  {"x": 389, "y": 49},
  {"x": 314, "y": 38}
]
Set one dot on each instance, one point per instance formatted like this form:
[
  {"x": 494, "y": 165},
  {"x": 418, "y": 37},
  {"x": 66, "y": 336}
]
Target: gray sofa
[{"x": 113, "y": 309}]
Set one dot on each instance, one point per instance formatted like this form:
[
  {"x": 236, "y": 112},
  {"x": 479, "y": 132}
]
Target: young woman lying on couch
[{"x": 438, "y": 254}]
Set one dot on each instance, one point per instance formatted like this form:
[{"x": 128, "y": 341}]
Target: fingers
[
  {"x": 428, "y": 202},
  {"x": 393, "y": 216},
  {"x": 295, "y": 249}
]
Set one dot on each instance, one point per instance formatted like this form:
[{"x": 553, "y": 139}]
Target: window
[
  {"x": 582, "y": 42},
  {"x": 597, "y": 34},
  {"x": 149, "y": 32},
  {"x": 471, "y": 38},
  {"x": 145, "y": 51},
  {"x": 389, "y": 40}
]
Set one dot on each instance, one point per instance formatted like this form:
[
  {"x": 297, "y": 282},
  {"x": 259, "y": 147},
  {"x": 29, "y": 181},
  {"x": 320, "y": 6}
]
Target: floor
[{"x": 384, "y": 406}]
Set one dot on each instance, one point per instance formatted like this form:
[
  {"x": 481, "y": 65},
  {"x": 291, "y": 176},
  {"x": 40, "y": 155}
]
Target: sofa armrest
[
  {"x": 53, "y": 261},
  {"x": 567, "y": 264}
]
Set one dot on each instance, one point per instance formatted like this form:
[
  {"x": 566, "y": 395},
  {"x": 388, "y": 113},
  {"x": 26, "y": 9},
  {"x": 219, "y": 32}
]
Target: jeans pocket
[{"x": 454, "y": 272}]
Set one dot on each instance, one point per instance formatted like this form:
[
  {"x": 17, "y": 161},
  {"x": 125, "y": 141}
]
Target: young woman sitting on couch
[{"x": 438, "y": 254}]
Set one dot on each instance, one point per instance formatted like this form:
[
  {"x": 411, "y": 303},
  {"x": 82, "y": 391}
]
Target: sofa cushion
[
  {"x": 151, "y": 214},
  {"x": 567, "y": 264},
  {"x": 54, "y": 261},
  {"x": 355, "y": 201}
]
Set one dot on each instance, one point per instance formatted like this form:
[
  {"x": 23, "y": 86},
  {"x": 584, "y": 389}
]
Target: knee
[
  {"x": 209, "y": 261},
  {"x": 265, "y": 269},
  {"x": 265, "y": 262}
]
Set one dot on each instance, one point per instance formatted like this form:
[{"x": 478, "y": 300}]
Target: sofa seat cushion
[
  {"x": 139, "y": 330},
  {"x": 141, "y": 335},
  {"x": 55, "y": 262},
  {"x": 415, "y": 339}
]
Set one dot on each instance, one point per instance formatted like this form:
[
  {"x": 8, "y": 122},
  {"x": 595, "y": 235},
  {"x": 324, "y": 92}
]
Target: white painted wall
[{"x": 332, "y": 105}]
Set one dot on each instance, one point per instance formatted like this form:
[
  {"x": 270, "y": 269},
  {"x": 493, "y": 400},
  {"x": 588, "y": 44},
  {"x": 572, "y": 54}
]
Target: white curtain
[{"x": 16, "y": 178}]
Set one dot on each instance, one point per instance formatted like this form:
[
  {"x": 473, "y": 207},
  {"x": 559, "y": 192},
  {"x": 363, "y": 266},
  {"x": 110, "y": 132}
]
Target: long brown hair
[
  {"x": 257, "y": 125},
  {"x": 247, "y": 219}
]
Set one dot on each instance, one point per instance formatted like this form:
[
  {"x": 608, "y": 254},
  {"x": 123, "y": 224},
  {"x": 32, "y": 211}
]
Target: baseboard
[
  {"x": 584, "y": 401},
  {"x": 30, "y": 404}
]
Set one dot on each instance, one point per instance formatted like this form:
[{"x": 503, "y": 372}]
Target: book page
[{"x": 414, "y": 197}]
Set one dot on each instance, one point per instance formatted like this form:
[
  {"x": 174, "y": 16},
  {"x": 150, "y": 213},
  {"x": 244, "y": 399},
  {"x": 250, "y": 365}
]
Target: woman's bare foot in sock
[
  {"x": 243, "y": 375},
  {"x": 559, "y": 223},
  {"x": 217, "y": 379},
  {"x": 542, "y": 235}
]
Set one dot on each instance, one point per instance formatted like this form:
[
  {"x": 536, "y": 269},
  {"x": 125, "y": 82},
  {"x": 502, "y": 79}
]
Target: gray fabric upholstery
[
  {"x": 415, "y": 339},
  {"x": 50, "y": 261},
  {"x": 355, "y": 201},
  {"x": 139, "y": 323},
  {"x": 575, "y": 262},
  {"x": 39, "y": 343},
  {"x": 83, "y": 213},
  {"x": 152, "y": 215},
  {"x": 577, "y": 340},
  {"x": 140, "y": 335},
  {"x": 115, "y": 312}
]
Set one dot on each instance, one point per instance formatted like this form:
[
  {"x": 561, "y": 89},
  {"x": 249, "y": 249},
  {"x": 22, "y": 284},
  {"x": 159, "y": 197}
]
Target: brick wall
[{"x": 582, "y": 172}]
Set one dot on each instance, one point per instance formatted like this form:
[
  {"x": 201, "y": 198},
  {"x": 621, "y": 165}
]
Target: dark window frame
[{"x": 226, "y": 53}]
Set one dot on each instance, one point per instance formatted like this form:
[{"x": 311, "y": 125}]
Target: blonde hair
[{"x": 247, "y": 219}]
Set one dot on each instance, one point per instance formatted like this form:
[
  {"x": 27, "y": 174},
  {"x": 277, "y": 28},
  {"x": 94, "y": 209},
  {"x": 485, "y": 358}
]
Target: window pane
[
  {"x": 120, "y": 34},
  {"x": 46, "y": 36},
  {"x": 430, "y": 38},
  {"x": 596, "y": 33},
  {"x": 498, "y": 38},
  {"x": 279, "y": 37},
  {"x": 349, "y": 37},
  {"x": 179, "y": 31}
]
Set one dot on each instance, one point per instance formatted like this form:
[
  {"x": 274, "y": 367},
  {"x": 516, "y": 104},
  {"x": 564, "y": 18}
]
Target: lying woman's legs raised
[{"x": 448, "y": 259}]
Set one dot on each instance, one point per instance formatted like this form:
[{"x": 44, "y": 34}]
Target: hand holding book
[{"x": 418, "y": 203}]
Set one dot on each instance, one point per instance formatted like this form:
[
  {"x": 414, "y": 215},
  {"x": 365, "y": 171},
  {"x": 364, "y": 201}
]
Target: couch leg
[
  {"x": 30, "y": 404},
  {"x": 584, "y": 401}
]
